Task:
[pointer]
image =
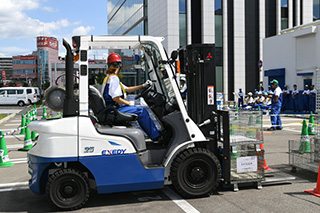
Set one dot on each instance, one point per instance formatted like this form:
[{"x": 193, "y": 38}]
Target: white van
[
  {"x": 13, "y": 95},
  {"x": 33, "y": 94}
]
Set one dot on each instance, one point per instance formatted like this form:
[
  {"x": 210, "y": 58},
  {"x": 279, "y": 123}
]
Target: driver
[{"x": 114, "y": 94}]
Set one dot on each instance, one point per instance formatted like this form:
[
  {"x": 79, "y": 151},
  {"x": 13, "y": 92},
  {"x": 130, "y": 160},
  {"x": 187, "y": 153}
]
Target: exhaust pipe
[{"x": 71, "y": 106}]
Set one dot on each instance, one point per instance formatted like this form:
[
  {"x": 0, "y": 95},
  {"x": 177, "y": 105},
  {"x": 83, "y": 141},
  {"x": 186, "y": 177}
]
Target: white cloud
[
  {"x": 50, "y": 9},
  {"x": 82, "y": 30},
  {"x": 14, "y": 23},
  {"x": 12, "y": 50}
]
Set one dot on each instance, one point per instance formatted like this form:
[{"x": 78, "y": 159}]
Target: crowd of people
[{"x": 263, "y": 99}]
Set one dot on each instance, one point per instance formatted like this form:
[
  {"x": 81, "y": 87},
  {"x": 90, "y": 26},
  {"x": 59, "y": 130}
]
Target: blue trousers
[
  {"x": 275, "y": 116},
  {"x": 240, "y": 102},
  {"x": 306, "y": 102},
  {"x": 285, "y": 101},
  {"x": 144, "y": 120},
  {"x": 312, "y": 104},
  {"x": 296, "y": 103}
]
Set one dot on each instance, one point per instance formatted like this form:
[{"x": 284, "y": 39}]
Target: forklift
[{"x": 73, "y": 154}]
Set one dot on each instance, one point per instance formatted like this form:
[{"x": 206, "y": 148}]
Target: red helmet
[{"x": 114, "y": 57}]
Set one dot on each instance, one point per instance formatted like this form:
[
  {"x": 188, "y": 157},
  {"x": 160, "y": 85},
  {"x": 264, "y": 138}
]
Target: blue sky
[{"x": 21, "y": 21}]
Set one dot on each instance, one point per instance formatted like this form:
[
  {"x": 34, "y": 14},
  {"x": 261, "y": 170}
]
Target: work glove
[
  {"x": 148, "y": 83},
  {"x": 131, "y": 103}
]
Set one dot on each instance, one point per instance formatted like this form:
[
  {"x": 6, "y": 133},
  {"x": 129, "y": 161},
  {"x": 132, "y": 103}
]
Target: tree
[{"x": 100, "y": 77}]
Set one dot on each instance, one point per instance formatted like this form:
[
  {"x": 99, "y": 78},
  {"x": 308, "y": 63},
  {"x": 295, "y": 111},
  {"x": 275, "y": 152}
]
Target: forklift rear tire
[
  {"x": 68, "y": 189},
  {"x": 195, "y": 172}
]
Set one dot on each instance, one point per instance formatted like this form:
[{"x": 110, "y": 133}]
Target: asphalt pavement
[{"x": 285, "y": 196}]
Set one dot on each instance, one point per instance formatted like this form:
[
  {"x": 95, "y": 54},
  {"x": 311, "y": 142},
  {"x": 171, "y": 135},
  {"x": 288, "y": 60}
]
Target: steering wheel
[{"x": 143, "y": 92}]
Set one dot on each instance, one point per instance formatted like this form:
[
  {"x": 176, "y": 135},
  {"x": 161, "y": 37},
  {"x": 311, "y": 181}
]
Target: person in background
[
  {"x": 259, "y": 101},
  {"x": 285, "y": 96},
  {"x": 269, "y": 89},
  {"x": 276, "y": 107},
  {"x": 183, "y": 88},
  {"x": 305, "y": 94},
  {"x": 266, "y": 103},
  {"x": 240, "y": 99},
  {"x": 248, "y": 101},
  {"x": 295, "y": 98},
  {"x": 312, "y": 99}
]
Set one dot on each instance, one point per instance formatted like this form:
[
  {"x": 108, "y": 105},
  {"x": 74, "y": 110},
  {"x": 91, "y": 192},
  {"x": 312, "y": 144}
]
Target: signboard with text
[{"x": 50, "y": 42}]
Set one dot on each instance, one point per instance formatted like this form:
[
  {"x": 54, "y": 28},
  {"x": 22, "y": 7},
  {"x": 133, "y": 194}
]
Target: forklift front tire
[
  {"x": 68, "y": 189},
  {"x": 195, "y": 172}
]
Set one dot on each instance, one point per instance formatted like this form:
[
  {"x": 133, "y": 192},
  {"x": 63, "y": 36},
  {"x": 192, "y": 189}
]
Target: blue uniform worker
[
  {"x": 295, "y": 98},
  {"x": 305, "y": 94},
  {"x": 285, "y": 96},
  {"x": 240, "y": 99},
  {"x": 114, "y": 94},
  {"x": 276, "y": 107},
  {"x": 312, "y": 99}
]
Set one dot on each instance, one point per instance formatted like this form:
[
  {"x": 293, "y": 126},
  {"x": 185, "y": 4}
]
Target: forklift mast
[{"x": 198, "y": 63}]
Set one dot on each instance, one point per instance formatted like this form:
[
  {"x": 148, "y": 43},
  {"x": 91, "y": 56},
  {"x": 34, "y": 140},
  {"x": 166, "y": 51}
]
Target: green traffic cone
[
  {"x": 250, "y": 123},
  {"x": 304, "y": 139},
  {"x": 28, "y": 119},
  {"x": 23, "y": 124},
  {"x": 27, "y": 141},
  {"x": 234, "y": 153},
  {"x": 4, "y": 157},
  {"x": 236, "y": 114},
  {"x": 45, "y": 115},
  {"x": 311, "y": 130},
  {"x": 231, "y": 129},
  {"x": 259, "y": 117}
]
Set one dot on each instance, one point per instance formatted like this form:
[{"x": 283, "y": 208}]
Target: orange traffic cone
[
  {"x": 264, "y": 165},
  {"x": 315, "y": 191}
]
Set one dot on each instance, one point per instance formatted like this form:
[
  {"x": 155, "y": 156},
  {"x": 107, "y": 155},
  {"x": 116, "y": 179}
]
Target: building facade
[
  {"x": 237, "y": 27},
  {"x": 298, "y": 59},
  {"x": 48, "y": 54},
  {"x": 5, "y": 69},
  {"x": 25, "y": 70}
]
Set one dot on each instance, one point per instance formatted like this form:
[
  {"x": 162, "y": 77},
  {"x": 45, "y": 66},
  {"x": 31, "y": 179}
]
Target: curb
[{"x": 7, "y": 118}]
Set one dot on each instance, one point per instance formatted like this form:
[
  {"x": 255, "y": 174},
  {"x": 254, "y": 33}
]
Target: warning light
[{"x": 209, "y": 56}]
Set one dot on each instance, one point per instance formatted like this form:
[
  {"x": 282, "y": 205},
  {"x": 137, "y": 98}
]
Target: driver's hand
[
  {"x": 131, "y": 103},
  {"x": 148, "y": 83}
]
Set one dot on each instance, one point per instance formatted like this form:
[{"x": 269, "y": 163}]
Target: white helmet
[{"x": 183, "y": 79}]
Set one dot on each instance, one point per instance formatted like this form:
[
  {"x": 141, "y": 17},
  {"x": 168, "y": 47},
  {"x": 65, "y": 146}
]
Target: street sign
[{"x": 260, "y": 64}]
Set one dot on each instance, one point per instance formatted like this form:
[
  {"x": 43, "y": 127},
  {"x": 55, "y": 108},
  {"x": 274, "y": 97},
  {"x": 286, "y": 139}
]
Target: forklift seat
[{"x": 107, "y": 115}]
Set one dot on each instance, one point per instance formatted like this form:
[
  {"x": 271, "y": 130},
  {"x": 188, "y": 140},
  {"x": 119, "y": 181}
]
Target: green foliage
[
  {"x": 46, "y": 85},
  {"x": 100, "y": 77}
]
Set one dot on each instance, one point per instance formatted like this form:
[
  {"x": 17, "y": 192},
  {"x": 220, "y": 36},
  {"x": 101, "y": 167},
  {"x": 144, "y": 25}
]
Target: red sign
[
  {"x": 28, "y": 57},
  {"x": 3, "y": 75},
  {"x": 50, "y": 42}
]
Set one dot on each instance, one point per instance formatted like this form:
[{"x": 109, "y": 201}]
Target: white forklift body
[{"x": 73, "y": 155}]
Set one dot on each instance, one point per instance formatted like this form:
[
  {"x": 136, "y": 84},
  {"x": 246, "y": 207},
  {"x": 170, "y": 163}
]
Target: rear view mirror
[{"x": 174, "y": 55}]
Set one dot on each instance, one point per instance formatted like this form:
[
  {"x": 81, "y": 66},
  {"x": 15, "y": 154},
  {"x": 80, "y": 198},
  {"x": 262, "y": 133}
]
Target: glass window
[
  {"x": 182, "y": 6},
  {"x": 29, "y": 91},
  {"x": 182, "y": 30},
  {"x": 11, "y": 91},
  {"x": 316, "y": 10},
  {"x": 20, "y": 91},
  {"x": 218, "y": 7},
  {"x": 2, "y": 92}
]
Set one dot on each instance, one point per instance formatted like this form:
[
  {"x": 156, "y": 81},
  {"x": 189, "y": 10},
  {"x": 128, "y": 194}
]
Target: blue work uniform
[
  {"x": 112, "y": 87},
  {"x": 295, "y": 93},
  {"x": 312, "y": 100},
  {"x": 275, "y": 109},
  {"x": 240, "y": 99},
  {"x": 306, "y": 100},
  {"x": 285, "y": 99}
]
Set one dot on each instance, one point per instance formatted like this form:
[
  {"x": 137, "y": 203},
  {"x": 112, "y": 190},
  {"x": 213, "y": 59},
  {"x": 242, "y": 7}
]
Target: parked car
[
  {"x": 14, "y": 95},
  {"x": 33, "y": 94}
]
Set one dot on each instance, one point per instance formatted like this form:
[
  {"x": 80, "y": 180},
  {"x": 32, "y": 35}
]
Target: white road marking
[
  {"x": 184, "y": 205},
  {"x": 13, "y": 146},
  {"x": 14, "y": 136},
  {"x": 14, "y": 124},
  {"x": 291, "y": 130}
]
